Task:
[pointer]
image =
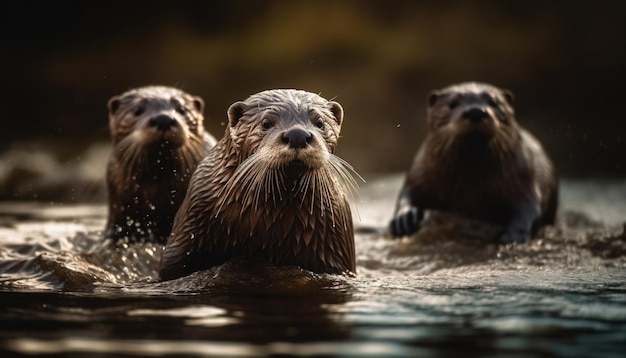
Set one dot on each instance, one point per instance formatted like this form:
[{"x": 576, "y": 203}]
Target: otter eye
[
  {"x": 453, "y": 104},
  {"x": 182, "y": 110},
  {"x": 266, "y": 123},
  {"x": 319, "y": 122},
  {"x": 138, "y": 111},
  {"x": 490, "y": 101}
]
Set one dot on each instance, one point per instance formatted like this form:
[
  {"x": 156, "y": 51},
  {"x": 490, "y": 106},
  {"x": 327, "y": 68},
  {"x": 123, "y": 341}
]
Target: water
[{"x": 64, "y": 292}]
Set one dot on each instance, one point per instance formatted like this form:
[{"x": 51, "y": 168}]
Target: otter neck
[
  {"x": 292, "y": 225},
  {"x": 473, "y": 155},
  {"x": 157, "y": 163}
]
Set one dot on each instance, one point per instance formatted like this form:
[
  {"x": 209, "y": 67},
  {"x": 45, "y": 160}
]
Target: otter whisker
[
  {"x": 184, "y": 157},
  {"x": 280, "y": 183},
  {"x": 273, "y": 186},
  {"x": 198, "y": 146},
  {"x": 315, "y": 194},
  {"x": 346, "y": 175},
  {"x": 252, "y": 181},
  {"x": 260, "y": 178},
  {"x": 320, "y": 194},
  {"x": 503, "y": 148},
  {"x": 303, "y": 185},
  {"x": 133, "y": 152},
  {"x": 325, "y": 195},
  {"x": 267, "y": 185},
  {"x": 248, "y": 188},
  {"x": 313, "y": 189},
  {"x": 251, "y": 174},
  {"x": 310, "y": 192},
  {"x": 239, "y": 174},
  {"x": 189, "y": 154},
  {"x": 445, "y": 140},
  {"x": 251, "y": 190}
]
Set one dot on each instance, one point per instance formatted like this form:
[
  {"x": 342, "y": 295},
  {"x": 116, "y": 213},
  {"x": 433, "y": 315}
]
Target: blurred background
[{"x": 62, "y": 60}]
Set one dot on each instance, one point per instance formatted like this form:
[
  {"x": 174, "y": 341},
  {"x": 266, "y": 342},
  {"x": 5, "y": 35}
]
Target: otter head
[
  {"x": 155, "y": 115},
  {"x": 289, "y": 130},
  {"x": 471, "y": 110},
  {"x": 272, "y": 188}
]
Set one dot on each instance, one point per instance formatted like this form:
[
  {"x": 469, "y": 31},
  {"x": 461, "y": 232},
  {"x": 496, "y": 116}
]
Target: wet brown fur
[
  {"x": 493, "y": 170},
  {"x": 256, "y": 196},
  {"x": 149, "y": 169}
]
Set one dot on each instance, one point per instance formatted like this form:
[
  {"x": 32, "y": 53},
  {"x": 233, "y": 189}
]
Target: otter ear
[
  {"x": 114, "y": 104},
  {"x": 198, "y": 104},
  {"x": 235, "y": 112},
  {"x": 508, "y": 96},
  {"x": 337, "y": 111},
  {"x": 432, "y": 98}
]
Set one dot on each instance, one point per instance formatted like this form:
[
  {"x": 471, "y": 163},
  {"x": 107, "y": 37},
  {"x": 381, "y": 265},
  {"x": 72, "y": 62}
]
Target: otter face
[
  {"x": 155, "y": 115},
  {"x": 473, "y": 109},
  {"x": 292, "y": 129}
]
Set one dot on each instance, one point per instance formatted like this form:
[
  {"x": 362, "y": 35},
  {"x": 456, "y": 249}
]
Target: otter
[
  {"x": 158, "y": 140},
  {"x": 271, "y": 189},
  {"x": 476, "y": 160}
]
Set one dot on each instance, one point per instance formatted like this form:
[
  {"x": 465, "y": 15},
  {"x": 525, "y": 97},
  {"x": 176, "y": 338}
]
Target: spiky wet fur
[
  {"x": 252, "y": 196},
  {"x": 493, "y": 170},
  {"x": 148, "y": 172}
]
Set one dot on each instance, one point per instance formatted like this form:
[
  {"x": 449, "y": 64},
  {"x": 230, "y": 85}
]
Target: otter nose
[
  {"x": 162, "y": 122},
  {"x": 297, "y": 138},
  {"x": 475, "y": 114}
]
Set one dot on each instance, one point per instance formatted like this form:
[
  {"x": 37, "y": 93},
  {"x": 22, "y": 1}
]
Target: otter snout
[
  {"x": 162, "y": 122},
  {"x": 297, "y": 138},
  {"x": 475, "y": 115}
]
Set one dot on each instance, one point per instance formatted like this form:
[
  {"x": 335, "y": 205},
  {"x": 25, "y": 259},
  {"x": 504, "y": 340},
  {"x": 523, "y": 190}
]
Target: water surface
[{"x": 67, "y": 293}]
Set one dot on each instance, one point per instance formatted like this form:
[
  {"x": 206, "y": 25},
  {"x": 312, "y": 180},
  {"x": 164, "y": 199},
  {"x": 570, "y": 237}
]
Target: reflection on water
[{"x": 66, "y": 292}]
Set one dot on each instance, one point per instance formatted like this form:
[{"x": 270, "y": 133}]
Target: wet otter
[
  {"x": 476, "y": 160},
  {"x": 271, "y": 188},
  {"x": 158, "y": 140}
]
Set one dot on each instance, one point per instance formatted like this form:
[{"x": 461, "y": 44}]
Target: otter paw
[
  {"x": 514, "y": 235},
  {"x": 405, "y": 223}
]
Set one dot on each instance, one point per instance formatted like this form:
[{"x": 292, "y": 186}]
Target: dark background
[{"x": 62, "y": 60}]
